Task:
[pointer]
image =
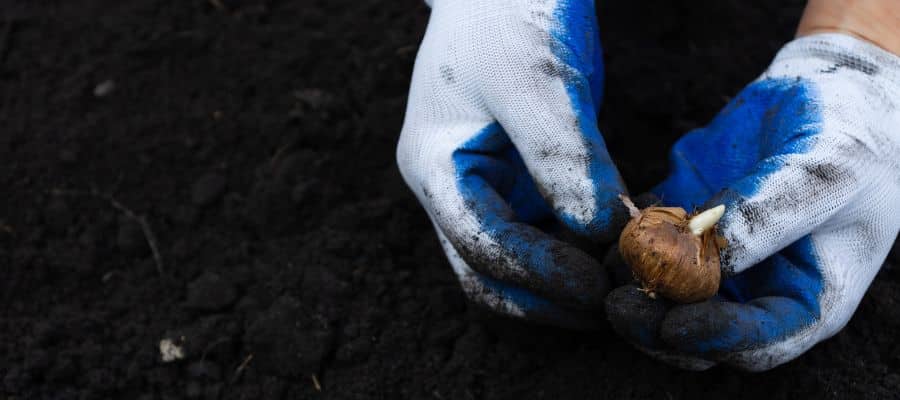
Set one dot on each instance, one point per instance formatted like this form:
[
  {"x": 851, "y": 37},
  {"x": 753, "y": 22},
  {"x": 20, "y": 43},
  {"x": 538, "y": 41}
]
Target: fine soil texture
[{"x": 221, "y": 174}]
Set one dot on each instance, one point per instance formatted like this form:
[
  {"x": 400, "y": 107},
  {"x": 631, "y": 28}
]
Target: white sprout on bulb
[{"x": 705, "y": 220}]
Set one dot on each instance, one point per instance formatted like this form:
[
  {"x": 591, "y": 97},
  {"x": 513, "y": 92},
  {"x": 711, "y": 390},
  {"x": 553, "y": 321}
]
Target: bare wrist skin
[{"x": 877, "y": 21}]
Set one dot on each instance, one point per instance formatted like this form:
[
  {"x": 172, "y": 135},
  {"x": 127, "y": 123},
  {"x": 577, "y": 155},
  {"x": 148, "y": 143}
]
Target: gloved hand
[
  {"x": 500, "y": 144},
  {"x": 807, "y": 162}
]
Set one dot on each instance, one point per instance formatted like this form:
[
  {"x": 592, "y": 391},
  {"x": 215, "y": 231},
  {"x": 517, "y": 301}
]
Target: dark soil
[{"x": 257, "y": 140}]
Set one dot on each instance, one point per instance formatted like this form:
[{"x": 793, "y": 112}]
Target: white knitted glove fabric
[
  {"x": 806, "y": 160},
  {"x": 500, "y": 144}
]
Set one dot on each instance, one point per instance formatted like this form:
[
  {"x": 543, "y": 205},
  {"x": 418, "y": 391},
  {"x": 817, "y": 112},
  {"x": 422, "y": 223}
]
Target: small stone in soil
[
  {"x": 169, "y": 351},
  {"x": 104, "y": 88}
]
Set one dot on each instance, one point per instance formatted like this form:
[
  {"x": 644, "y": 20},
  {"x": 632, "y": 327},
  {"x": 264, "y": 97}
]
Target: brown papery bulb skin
[{"x": 667, "y": 258}]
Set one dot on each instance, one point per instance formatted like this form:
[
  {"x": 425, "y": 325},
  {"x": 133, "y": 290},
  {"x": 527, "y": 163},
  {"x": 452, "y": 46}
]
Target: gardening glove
[
  {"x": 500, "y": 144},
  {"x": 806, "y": 161}
]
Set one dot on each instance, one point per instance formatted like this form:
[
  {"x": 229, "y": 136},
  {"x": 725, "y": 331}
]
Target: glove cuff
[{"x": 845, "y": 51}]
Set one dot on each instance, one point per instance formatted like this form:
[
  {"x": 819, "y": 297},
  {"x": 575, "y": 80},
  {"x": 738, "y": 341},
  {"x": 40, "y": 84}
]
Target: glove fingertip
[
  {"x": 695, "y": 328},
  {"x": 718, "y": 326},
  {"x": 635, "y": 315},
  {"x": 576, "y": 275}
]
